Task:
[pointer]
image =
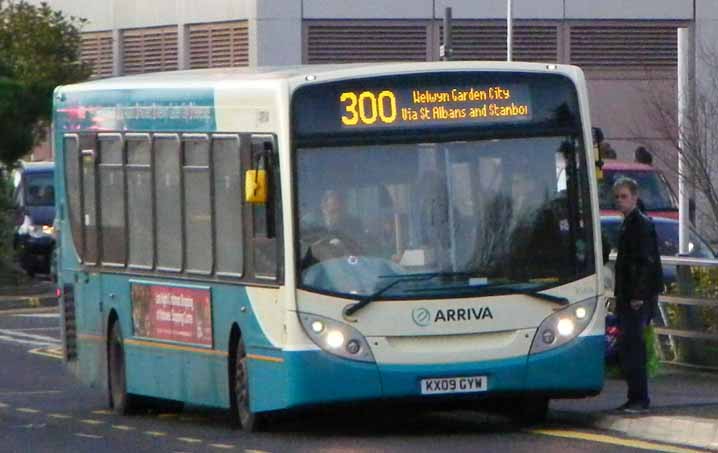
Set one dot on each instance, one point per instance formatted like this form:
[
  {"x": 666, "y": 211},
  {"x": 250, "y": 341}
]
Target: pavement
[
  {"x": 32, "y": 294},
  {"x": 684, "y": 409}
]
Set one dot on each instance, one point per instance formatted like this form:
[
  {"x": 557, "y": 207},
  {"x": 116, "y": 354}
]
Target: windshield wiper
[
  {"x": 509, "y": 288},
  {"x": 364, "y": 301}
]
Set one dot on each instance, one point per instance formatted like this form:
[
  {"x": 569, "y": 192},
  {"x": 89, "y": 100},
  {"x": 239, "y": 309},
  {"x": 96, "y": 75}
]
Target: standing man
[{"x": 639, "y": 279}]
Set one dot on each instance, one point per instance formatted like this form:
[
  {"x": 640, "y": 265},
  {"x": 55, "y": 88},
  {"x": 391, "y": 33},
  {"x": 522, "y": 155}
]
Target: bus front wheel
[
  {"x": 120, "y": 401},
  {"x": 241, "y": 411}
]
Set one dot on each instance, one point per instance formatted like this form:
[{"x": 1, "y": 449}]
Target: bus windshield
[
  {"x": 470, "y": 213},
  {"x": 40, "y": 190}
]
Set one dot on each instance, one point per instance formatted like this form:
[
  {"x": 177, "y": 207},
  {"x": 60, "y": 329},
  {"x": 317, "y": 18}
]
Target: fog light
[
  {"x": 580, "y": 312},
  {"x": 353, "y": 346},
  {"x": 548, "y": 336},
  {"x": 317, "y": 326},
  {"x": 565, "y": 327},
  {"x": 335, "y": 339}
]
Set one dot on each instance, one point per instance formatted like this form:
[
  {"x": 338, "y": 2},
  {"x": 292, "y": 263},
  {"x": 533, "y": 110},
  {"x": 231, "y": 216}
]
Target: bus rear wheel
[
  {"x": 120, "y": 401},
  {"x": 242, "y": 414}
]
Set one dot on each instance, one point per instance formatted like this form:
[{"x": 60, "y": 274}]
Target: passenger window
[
  {"x": 72, "y": 188},
  {"x": 139, "y": 202},
  {"x": 229, "y": 251},
  {"x": 112, "y": 199},
  {"x": 169, "y": 205},
  {"x": 197, "y": 204}
]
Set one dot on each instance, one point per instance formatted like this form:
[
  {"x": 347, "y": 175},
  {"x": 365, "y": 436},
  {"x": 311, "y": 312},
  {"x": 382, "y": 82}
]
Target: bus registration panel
[{"x": 466, "y": 384}]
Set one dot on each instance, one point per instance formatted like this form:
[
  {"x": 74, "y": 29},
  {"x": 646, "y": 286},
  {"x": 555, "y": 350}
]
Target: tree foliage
[
  {"x": 39, "y": 50},
  {"x": 699, "y": 133}
]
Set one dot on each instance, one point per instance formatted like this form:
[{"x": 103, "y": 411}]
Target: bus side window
[
  {"x": 266, "y": 217},
  {"x": 228, "y": 201}
]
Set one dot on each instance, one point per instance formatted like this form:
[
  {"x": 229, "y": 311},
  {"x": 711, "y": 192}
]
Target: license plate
[{"x": 466, "y": 384}]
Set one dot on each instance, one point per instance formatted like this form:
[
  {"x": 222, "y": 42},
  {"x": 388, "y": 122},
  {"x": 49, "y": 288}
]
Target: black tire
[
  {"x": 121, "y": 402},
  {"x": 242, "y": 415}
]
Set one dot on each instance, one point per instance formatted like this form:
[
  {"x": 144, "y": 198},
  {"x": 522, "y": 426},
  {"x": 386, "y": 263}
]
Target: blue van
[{"x": 34, "y": 198}]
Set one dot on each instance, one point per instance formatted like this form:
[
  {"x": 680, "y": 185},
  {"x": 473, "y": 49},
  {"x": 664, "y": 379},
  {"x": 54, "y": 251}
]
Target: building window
[
  {"x": 149, "y": 50},
  {"x": 223, "y": 44},
  {"x": 96, "y": 51}
]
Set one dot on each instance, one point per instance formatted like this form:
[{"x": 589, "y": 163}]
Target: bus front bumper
[{"x": 316, "y": 377}]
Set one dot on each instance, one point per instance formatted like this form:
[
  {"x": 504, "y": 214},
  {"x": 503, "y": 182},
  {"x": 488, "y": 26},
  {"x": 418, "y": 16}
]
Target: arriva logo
[{"x": 421, "y": 317}]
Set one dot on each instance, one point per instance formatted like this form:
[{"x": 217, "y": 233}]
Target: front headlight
[
  {"x": 563, "y": 326},
  {"x": 35, "y": 231},
  {"x": 336, "y": 337}
]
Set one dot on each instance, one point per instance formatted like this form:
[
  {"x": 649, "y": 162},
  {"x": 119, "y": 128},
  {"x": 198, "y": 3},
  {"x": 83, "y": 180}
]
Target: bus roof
[{"x": 211, "y": 77}]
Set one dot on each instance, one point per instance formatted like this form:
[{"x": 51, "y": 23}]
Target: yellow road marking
[
  {"x": 123, "y": 427},
  {"x": 168, "y": 415},
  {"x": 60, "y": 416},
  {"x": 46, "y": 353},
  {"x": 102, "y": 412},
  {"x": 27, "y": 410},
  {"x": 88, "y": 436},
  {"x": 89, "y": 421},
  {"x": 190, "y": 440},
  {"x": 602, "y": 438},
  {"x": 155, "y": 433},
  {"x": 222, "y": 446}
]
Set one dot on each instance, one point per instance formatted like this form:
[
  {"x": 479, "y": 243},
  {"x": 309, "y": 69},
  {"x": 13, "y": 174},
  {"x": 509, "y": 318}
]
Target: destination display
[
  {"x": 436, "y": 105},
  {"x": 400, "y": 105}
]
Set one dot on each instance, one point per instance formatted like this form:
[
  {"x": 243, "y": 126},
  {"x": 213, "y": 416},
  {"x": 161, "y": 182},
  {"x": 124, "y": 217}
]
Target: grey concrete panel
[
  {"x": 368, "y": 9},
  {"x": 193, "y": 11},
  {"x": 279, "y": 42},
  {"x": 706, "y": 9},
  {"x": 275, "y": 9},
  {"x": 98, "y": 13},
  {"x": 629, "y": 9},
  {"x": 141, "y": 13},
  {"x": 622, "y": 107},
  {"x": 493, "y": 9}
]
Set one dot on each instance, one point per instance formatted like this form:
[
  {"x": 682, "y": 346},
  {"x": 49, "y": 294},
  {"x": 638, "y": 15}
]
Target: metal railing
[{"x": 686, "y": 324}]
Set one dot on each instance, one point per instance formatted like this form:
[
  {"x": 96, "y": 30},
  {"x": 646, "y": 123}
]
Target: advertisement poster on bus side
[{"x": 172, "y": 313}]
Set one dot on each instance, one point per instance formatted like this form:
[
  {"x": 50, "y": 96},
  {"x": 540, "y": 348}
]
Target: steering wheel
[{"x": 335, "y": 246}]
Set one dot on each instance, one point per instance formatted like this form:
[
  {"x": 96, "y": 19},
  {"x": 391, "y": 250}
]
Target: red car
[{"x": 654, "y": 191}]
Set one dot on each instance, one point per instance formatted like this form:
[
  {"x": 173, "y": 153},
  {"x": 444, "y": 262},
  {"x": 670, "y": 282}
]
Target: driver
[{"x": 340, "y": 233}]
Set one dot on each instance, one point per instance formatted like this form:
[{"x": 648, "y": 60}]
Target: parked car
[
  {"x": 667, "y": 235},
  {"x": 654, "y": 191},
  {"x": 34, "y": 198}
]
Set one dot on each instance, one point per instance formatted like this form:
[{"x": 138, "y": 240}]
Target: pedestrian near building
[{"x": 638, "y": 282}]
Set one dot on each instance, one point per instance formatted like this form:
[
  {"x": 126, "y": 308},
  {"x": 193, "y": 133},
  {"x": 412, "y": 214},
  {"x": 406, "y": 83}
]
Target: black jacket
[{"x": 638, "y": 265}]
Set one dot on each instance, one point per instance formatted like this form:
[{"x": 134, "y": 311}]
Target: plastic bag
[{"x": 613, "y": 335}]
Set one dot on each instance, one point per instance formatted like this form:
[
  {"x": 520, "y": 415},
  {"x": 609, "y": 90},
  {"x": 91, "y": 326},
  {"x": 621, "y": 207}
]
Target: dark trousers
[{"x": 632, "y": 348}]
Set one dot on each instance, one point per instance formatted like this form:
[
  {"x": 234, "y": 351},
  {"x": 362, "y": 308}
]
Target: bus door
[{"x": 87, "y": 279}]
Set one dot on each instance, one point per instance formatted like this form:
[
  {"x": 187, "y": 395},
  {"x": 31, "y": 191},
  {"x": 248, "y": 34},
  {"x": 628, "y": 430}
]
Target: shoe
[{"x": 636, "y": 407}]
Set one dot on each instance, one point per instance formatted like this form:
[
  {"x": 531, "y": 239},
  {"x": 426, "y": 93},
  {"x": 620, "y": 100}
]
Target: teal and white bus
[{"x": 268, "y": 239}]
